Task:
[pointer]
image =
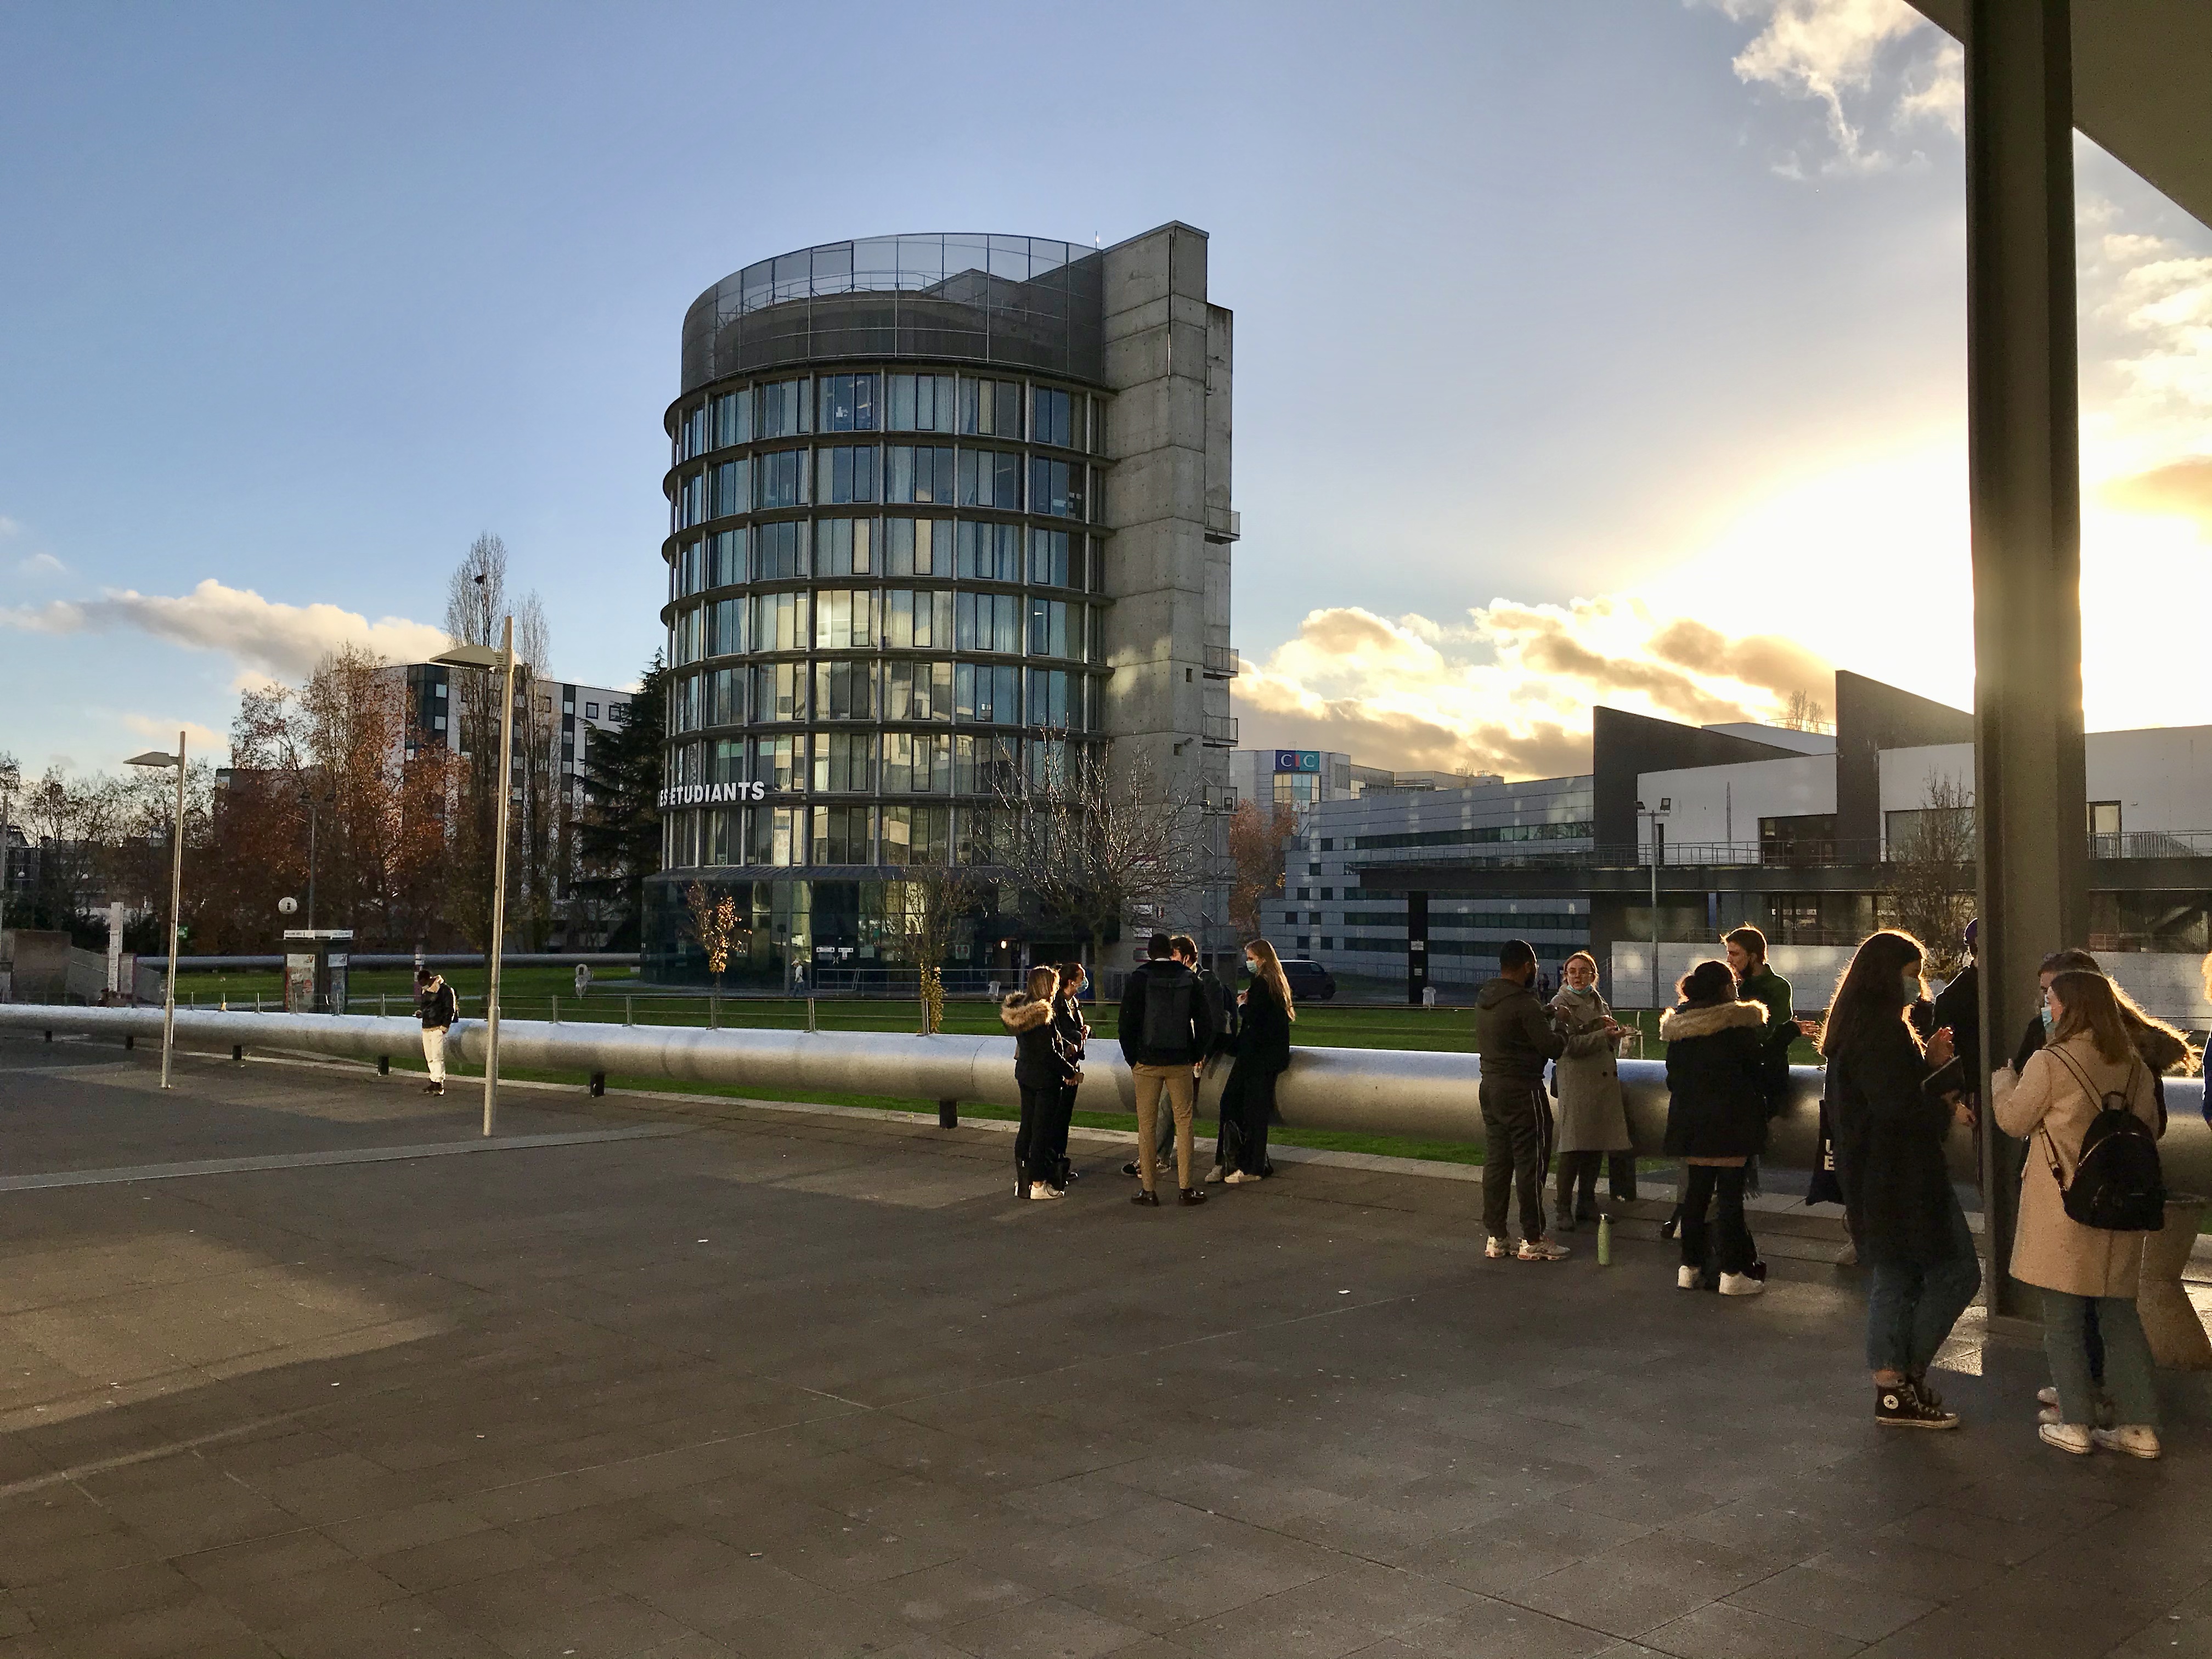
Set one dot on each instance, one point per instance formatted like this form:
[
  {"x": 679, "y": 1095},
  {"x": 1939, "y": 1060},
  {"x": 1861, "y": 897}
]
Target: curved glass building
[{"x": 946, "y": 512}]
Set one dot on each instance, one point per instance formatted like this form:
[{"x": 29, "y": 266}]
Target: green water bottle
[{"x": 1604, "y": 1241}]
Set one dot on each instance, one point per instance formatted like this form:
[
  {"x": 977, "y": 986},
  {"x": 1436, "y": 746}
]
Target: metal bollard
[
  {"x": 379, "y": 1004},
  {"x": 627, "y": 1019},
  {"x": 599, "y": 1083},
  {"x": 384, "y": 1066},
  {"x": 238, "y": 1053},
  {"x": 948, "y": 1113}
]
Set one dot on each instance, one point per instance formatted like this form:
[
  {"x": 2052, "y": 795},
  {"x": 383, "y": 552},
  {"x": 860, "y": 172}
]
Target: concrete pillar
[{"x": 2024, "y": 479}]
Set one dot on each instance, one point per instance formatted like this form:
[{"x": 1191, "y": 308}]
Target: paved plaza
[{"x": 290, "y": 1365}]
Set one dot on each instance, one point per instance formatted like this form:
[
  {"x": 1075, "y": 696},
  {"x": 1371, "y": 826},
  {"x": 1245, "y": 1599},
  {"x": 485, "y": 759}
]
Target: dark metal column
[
  {"x": 1417, "y": 946},
  {"x": 2023, "y": 478}
]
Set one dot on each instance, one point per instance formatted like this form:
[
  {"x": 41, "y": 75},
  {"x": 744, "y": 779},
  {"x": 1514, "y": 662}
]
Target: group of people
[{"x": 1176, "y": 1017}]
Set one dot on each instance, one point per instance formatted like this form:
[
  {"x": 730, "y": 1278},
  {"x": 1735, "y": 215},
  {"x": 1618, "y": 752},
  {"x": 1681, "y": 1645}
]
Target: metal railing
[
  {"x": 1222, "y": 662},
  {"x": 1219, "y": 730},
  {"x": 1807, "y": 853}
]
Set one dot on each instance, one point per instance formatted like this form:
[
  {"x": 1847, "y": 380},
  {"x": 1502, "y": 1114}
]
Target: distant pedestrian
[
  {"x": 438, "y": 1007},
  {"x": 1074, "y": 1033},
  {"x": 1904, "y": 1215},
  {"x": 1593, "y": 1119},
  {"x": 1514, "y": 1035},
  {"x": 1716, "y": 1117},
  {"x": 1262, "y": 1046},
  {"x": 1167, "y": 1028},
  {"x": 1041, "y": 1072}
]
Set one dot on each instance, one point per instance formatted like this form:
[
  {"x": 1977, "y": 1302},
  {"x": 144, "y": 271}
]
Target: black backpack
[
  {"x": 1168, "y": 1008},
  {"x": 2117, "y": 1187}
]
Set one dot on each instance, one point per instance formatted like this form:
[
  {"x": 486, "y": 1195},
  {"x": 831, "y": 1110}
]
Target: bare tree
[
  {"x": 1257, "y": 833},
  {"x": 1930, "y": 861},
  {"x": 924, "y": 909},
  {"x": 1803, "y": 712}
]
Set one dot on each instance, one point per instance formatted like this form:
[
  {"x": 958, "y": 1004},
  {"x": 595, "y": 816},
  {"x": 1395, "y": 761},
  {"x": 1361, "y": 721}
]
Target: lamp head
[{"x": 152, "y": 757}]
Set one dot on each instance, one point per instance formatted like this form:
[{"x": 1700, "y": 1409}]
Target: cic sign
[{"x": 1298, "y": 760}]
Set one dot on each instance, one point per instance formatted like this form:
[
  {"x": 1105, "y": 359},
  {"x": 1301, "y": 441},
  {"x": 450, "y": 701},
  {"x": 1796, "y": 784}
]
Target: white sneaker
[
  {"x": 2047, "y": 1396},
  {"x": 2073, "y": 1437},
  {"x": 1686, "y": 1278},
  {"x": 2047, "y": 1413},
  {"x": 1040, "y": 1191},
  {"x": 2135, "y": 1439},
  {"x": 1496, "y": 1250},
  {"x": 1239, "y": 1178},
  {"x": 1741, "y": 1284},
  {"x": 1214, "y": 1174},
  {"x": 1541, "y": 1249}
]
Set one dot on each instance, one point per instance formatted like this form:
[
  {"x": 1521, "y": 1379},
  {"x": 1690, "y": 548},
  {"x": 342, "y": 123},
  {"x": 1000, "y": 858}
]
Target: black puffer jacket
[
  {"x": 1039, "y": 1059},
  {"x": 1716, "y": 1081},
  {"x": 1889, "y": 1136},
  {"x": 1263, "y": 1040}
]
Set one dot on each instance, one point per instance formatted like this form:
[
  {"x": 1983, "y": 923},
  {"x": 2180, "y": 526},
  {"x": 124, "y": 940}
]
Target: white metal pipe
[{"x": 1417, "y": 1094}]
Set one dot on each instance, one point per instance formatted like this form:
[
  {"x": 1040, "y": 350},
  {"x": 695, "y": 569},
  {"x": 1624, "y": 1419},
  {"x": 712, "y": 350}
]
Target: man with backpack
[
  {"x": 1168, "y": 1028},
  {"x": 438, "y": 1008},
  {"x": 1184, "y": 949}
]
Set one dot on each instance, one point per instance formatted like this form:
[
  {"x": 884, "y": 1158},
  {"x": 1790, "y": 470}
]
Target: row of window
[
  {"x": 966, "y": 549},
  {"x": 1483, "y": 836},
  {"x": 884, "y": 619},
  {"x": 979, "y": 694},
  {"x": 963, "y": 405},
  {"x": 918, "y": 475},
  {"x": 787, "y": 837},
  {"x": 863, "y": 763}
]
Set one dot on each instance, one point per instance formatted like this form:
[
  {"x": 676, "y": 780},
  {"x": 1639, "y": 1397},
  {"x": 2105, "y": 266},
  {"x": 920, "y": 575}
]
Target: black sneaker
[
  {"x": 1144, "y": 1195},
  {"x": 1190, "y": 1195},
  {"x": 1902, "y": 1407},
  {"x": 1132, "y": 1169}
]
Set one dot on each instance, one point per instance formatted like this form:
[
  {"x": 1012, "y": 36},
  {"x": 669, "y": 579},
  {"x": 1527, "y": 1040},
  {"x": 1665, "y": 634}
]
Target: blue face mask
[{"x": 2047, "y": 1021}]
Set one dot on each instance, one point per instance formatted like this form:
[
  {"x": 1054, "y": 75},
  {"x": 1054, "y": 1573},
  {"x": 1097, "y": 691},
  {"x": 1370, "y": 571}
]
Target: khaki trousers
[
  {"x": 434, "y": 1051},
  {"x": 1183, "y": 1097}
]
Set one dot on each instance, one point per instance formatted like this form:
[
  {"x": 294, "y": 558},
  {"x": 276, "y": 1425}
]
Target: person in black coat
[
  {"x": 1074, "y": 1033},
  {"x": 1042, "y": 1071},
  {"x": 1261, "y": 1043},
  {"x": 1716, "y": 1117},
  {"x": 1903, "y": 1214}
]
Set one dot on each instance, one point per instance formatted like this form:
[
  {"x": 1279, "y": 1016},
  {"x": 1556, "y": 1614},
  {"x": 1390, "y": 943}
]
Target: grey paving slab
[{"x": 791, "y": 1384}]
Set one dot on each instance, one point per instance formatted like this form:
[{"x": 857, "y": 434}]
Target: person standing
[
  {"x": 1074, "y": 1033},
  {"x": 1515, "y": 1036},
  {"x": 1716, "y": 1115},
  {"x": 2090, "y": 1060},
  {"x": 1184, "y": 948},
  {"x": 439, "y": 1008},
  {"x": 1593, "y": 1119},
  {"x": 1167, "y": 1029},
  {"x": 1041, "y": 1072},
  {"x": 1262, "y": 1047},
  {"x": 1903, "y": 1214}
]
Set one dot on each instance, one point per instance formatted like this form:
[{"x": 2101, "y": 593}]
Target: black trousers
[
  {"x": 1578, "y": 1184},
  {"x": 1701, "y": 1183},
  {"x": 1516, "y": 1127},
  {"x": 1035, "y": 1159},
  {"x": 1248, "y": 1106},
  {"x": 1056, "y": 1149},
  {"x": 1620, "y": 1176}
]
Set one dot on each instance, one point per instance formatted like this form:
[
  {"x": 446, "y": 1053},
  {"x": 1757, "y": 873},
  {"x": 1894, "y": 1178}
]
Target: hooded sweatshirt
[{"x": 1513, "y": 1033}]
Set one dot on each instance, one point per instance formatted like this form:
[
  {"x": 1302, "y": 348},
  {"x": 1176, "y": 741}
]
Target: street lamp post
[
  {"x": 176, "y": 900},
  {"x": 11, "y": 777},
  {"x": 482, "y": 656}
]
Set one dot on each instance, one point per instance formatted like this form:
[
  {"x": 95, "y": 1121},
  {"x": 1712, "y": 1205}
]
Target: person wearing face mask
[
  {"x": 1592, "y": 1120},
  {"x": 1905, "y": 1216},
  {"x": 1261, "y": 1045}
]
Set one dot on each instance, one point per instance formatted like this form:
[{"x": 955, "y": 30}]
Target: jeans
[
  {"x": 1913, "y": 1305},
  {"x": 1182, "y": 1097},
  {"x": 1517, "y": 1129},
  {"x": 1701, "y": 1182},
  {"x": 2127, "y": 1357}
]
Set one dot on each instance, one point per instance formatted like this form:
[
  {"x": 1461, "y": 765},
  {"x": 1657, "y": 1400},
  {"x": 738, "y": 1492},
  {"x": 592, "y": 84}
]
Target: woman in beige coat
[
  {"x": 1592, "y": 1120},
  {"x": 2051, "y": 1106}
]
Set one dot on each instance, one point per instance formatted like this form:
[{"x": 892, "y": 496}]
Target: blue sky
[{"x": 1556, "y": 324}]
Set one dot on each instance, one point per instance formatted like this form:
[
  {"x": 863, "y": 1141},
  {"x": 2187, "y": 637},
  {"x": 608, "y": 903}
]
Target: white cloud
[
  {"x": 1875, "y": 67},
  {"x": 8, "y": 527},
  {"x": 39, "y": 564},
  {"x": 262, "y": 636},
  {"x": 206, "y": 743}
]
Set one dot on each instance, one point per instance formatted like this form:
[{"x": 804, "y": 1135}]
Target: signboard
[
  {"x": 1298, "y": 760},
  {"x": 712, "y": 794}
]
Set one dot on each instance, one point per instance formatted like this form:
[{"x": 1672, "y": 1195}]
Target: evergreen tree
[{"x": 619, "y": 834}]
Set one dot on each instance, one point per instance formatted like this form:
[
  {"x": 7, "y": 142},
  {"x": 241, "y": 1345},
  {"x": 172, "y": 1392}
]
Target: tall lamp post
[
  {"x": 11, "y": 777},
  {"x": 482, "y": 656},
  {"x": 1652, "y": 815},
  {"x": 155, "y": 758}
]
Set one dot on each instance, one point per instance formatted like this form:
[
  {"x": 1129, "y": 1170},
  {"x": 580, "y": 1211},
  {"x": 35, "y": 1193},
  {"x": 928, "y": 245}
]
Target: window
[
  {"x": 1056, "y": 488},
  {"x": 1055, "y": 418},
  {"x": 1479, "y": 835},
  {"x": 843, "y": 547},
  {"x": 618, "y": 711},
  {"x": 690, "y": 504},
  {"x": 1804, "y": 836},
  {"x": 848, "y": 402},
  {"x": 723, "y": 558},
  {"x": 991, "y": 408},
  {"x": 777, "y": 836},
  {"x": 2104, "y": 818},
  {"x": 691, "y": 435},
  {"x": 732, "y": 489},
  {"x": 591, "y": 711},
  {"x": 726, "y": 761},
  {"x": 1048, "y": 703},
  {"x": 721, "y": 836},
  {"x": 782, "y": 409},
  {"x": 842, "y": 835},
  {"x": 779, "y": 762},
  {"x": 916, "y": 834},
  {"x": 985, "y": 695},
  {"x": 544, "y": 704},
  {"x": 733, "y": 419},
  {"x": 1048, "y": 763},
  {"x": 844, "y": 475},
  {"x": 987, "y": 622},
  {"x": 441, "y": 690},
  {"x": 1047, "y": 628},
  {"x": 917, "y": 691},
  {"x": 845, "y": 762},
  {"x": 918, "y": 547},
  {"x": 726, "y": 697},
  {"x": 779, "y": 692},
  {"x": 918, "y": 473},
  {"x": 980, "y": 836},
  {"x": 782, "y": 478},
  {"x": 991, "y": 478},
  {"x": 725, "y": 627},
  {"x": 983, "y": 765},
  {"x": 917, "y": 763},
  {"x": 683, "y": 579},
  {"x": 780, "y": 621},
  {"x": 989, "y": 552},
  {"x": 779, "y": 553},
  {"x": 844, "y": 619},
  {"x": 437, "y": 722},
  {"x": 1049, "y": 558},
  {"x": 845, "y": 691},
  {"x": 920, "y": 621},
  {"x": 921, "y": 403}
]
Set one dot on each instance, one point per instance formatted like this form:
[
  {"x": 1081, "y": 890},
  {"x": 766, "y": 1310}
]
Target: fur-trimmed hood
[
  {"x": 2161, "y": 1050},
  {"x": 1022, "y": 1012},
  {"x": 1679, "y": 1025}
]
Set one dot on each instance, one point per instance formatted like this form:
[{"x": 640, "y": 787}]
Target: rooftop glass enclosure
[{"x": 1020, "y": 301}]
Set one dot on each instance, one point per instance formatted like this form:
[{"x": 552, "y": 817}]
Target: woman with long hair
[
  {"x": 1040, "y": 1071},
  {"x": 2091, "y": 1058},
  {"x": 1592, "y": 1124},
  {"x": 1074, "y": 1033},
  {"x": 1716, "y": 1117},
  {"x": 1904, "y": 1217},
  {"x": 1262, "y": 1046}
]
